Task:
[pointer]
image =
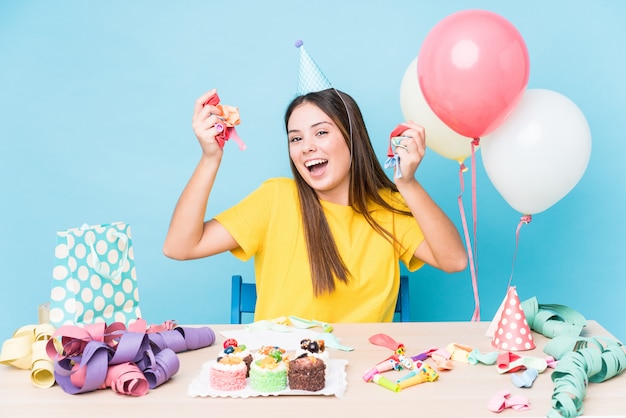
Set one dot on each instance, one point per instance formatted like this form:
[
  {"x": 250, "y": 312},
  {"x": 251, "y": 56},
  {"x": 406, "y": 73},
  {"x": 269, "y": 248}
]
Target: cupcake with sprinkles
[
  {"x": 268, "y": 370},
  {"x": 234, "y": 349}
]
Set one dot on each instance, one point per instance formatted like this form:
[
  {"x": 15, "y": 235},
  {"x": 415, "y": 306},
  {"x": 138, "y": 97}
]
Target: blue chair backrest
[{"x": 243, "y": 299}]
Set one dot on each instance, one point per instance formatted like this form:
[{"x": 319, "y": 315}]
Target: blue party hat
[{"x": 311, "y": 78}]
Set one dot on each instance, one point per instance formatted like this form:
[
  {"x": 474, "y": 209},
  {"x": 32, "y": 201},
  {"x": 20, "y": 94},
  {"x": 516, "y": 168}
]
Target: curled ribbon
[
  {"x": 165, "y": 364},
  {"x": 551, "y": 320},
  {"x": 27, "y": 350},
  {"x": 593, "y": 360},
  {"x": 127, "y": 379},
  {"x": 129, "y": 361},
  {"x": 230, "y": 117}
]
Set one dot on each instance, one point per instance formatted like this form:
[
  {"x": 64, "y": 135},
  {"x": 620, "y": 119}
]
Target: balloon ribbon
[
  {"x": 472, "y": 254},
  {"x": 523, "y": 220}
]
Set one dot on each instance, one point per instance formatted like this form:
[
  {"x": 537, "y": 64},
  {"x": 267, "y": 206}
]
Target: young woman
[{"x": 327, "y": 243}]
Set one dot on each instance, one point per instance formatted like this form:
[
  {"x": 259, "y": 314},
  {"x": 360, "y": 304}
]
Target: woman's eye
[
  {"x": 294, "y": 139},
  {"x": 320, "y": 133}
]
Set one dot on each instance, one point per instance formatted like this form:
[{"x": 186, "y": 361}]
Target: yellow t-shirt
[{"x": 267, "y": 225}]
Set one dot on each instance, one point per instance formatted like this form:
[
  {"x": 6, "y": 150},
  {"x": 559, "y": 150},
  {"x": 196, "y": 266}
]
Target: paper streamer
[
  {"x": 26, "y": 349},
  {"x": 593, "y": 360},
  {"x": 129, "y": 361}
]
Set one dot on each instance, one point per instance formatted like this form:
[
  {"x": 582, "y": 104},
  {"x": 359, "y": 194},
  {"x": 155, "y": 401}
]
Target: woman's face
[{"x": 320, "y": 153}]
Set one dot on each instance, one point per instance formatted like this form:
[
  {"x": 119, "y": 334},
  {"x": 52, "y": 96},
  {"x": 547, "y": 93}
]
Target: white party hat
[{"x": 311, "y": 78}]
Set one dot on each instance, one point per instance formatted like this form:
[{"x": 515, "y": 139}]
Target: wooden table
[{"x": 461, "y": 392}]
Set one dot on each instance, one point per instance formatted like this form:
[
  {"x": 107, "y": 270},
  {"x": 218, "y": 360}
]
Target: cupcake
[
  {"x": 307, "y": 372},
  {"x": 234, "y": 349},
  {"x": 315, "y": 348},
  {"x": 228, "y": 373},
  {"x": 268, "y": 370}
]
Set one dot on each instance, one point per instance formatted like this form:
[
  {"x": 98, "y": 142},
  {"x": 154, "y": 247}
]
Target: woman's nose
[{"x": 308, "y": 145}]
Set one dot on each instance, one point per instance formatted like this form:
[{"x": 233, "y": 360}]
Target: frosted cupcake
[
  {"x": 307, "y": 372},
  {"x": 228, "y": 373},
  {"x": 268, "y": 371},
  {"x": 234, "y": 349}
]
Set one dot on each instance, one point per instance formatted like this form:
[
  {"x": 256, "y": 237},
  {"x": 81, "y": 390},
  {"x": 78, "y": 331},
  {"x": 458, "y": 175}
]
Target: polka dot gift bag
[{"x": 94, "y": 278}]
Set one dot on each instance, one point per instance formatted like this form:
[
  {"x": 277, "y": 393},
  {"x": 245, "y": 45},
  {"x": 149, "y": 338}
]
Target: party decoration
[
  {"x": 553, "y": 319},
  {"x": 473, "y": 69},
  {"x": 503, "y": 400},
  {"x": 525, "y": 379},
  {"x": 587, "y": 360},
  {"x": 229, "y": 116},
  {"x": 26, "y": 349},
  {"x": 130, "y": 361},
  {"x": 310, "y": 77},
  {"x": 419, "y": 372},
  {"x": 539, "y": 153},
  {"x": 395, "y": 141},
  {"x": 439, "y": 137},
  {"x": 512, "y": 332},
  {"x": 510, "y": 362},
  {"x": 442, "y": 360}
]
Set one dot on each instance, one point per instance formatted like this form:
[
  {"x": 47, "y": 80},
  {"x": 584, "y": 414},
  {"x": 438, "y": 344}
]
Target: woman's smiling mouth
[{"x": 314, "y": 165}]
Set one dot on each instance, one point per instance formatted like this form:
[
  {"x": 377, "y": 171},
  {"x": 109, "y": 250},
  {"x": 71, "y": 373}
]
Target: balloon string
[
  {"x": 523, "y": 220},
  {"x": 475, "y": 144},
  {"x": 476, "y": 314}
]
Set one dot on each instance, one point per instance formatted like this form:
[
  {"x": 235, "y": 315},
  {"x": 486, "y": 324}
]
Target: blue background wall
[{"x": 95, "y": 108}]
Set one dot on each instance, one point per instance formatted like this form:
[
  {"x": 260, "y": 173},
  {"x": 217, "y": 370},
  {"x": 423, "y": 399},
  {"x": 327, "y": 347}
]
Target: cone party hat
[
  {"x": 311, "y": 78},
  {"x": 512, "y": 332}
]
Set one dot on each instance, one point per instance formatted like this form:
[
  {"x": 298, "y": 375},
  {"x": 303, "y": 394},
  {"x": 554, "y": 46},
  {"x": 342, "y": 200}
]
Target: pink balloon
[{"x": 473, "y": 69}]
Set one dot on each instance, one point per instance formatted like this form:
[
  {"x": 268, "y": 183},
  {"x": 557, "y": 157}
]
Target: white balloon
[
  {"x": 439, "y": 137},
  {"x": 539, "y": 153}
]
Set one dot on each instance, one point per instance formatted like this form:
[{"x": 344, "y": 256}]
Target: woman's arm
[
  {"x": 189, "y": 236},
  {"x": 442, "y": 246}
]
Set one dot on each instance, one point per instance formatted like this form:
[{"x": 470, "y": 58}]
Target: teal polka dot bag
[{"x": 94, "y": 277}]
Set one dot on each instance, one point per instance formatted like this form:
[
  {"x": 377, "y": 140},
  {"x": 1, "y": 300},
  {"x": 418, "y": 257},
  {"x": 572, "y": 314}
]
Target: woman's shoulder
[
  {"x": 279, "y": 187},
  {"x": 279, "y": 184},
  {"x": 393, "y": 198},
  {"x": 270, "y": 197}
]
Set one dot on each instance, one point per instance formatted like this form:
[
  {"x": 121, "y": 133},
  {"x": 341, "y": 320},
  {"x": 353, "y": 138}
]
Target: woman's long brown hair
[{"x": 367, "y": 181}]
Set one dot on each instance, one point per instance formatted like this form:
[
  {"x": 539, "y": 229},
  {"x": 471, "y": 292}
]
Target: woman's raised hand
[
  {"x": 206, "y": 124},
  {"x": 411, "y": 149}
]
